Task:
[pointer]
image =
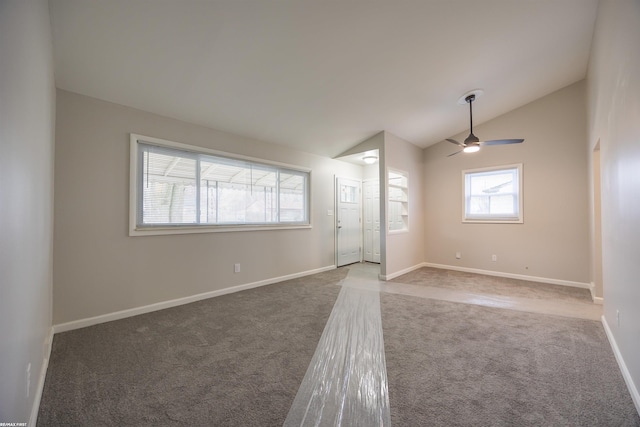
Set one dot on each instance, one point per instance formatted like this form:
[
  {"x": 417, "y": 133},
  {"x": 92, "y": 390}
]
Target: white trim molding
[
  {"x": 633, "y": 390},
  {"x": 33, "y": 417},
  {"x": 596, "y": 300},
  {"x": 90, "y": 321},
  {"x": 391, "y": 276},
  {"x": 510, "y": 275}
]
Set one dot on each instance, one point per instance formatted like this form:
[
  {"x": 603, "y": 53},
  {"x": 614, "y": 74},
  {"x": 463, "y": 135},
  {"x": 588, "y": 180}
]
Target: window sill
[
  {"x": 492, "y": 221},
  {"x": 155, "y": 231}
]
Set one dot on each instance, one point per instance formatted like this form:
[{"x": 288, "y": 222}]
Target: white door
[
  {"x": 348, "y": 225},
  {"x": 371, "y": 216}
]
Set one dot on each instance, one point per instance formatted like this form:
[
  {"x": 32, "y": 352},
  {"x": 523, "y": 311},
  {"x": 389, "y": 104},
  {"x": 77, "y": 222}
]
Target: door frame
[{"x": 336, "y": 191}]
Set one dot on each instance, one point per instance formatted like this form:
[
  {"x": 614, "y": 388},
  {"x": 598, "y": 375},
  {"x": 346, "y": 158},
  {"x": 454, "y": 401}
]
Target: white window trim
[
  {"x": 134, "y": 230},
  {"x": 494, "y": 220}
]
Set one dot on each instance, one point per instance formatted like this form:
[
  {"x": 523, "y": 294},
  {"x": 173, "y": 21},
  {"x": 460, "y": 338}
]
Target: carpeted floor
[
  {"x": 239, "y": 359},
  {"x": 492, "y": 285},
  {"x": 452, "y": 364},
  {"x": 234, "y": 360}
]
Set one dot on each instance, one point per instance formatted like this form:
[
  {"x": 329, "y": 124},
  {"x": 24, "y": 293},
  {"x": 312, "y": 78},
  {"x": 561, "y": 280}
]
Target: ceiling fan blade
[
  {"x": 453, "y": 154},
  {"x": 502, "y": 141},
  {"x": 453, "y": 141}
]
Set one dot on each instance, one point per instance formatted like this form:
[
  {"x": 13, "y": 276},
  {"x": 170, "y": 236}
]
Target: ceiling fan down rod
[{"x": 470, "y": 100}]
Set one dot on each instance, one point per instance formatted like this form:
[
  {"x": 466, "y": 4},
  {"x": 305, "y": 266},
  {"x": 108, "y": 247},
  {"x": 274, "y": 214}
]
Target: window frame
[
  {"x": 136, "y": 191},
  {"x": 494, "y": 219}
]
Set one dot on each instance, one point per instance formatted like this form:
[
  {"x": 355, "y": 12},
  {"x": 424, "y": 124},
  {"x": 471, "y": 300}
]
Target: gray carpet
[
  {"x": 234, "y": 360},
  {"x": 239, "y": 359},
  {"x": 493, "y": 285},
  {"x": 454, "y": 364}
]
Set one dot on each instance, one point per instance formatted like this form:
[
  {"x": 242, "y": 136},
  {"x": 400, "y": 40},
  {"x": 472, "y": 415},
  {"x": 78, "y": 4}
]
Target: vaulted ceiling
[{"x": 322, "y": 76}]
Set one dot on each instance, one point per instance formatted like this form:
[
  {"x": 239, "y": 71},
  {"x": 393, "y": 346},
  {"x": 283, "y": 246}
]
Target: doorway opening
[
  {"x": 348, "y": 220},
  {"x": 359, "y": 240}
]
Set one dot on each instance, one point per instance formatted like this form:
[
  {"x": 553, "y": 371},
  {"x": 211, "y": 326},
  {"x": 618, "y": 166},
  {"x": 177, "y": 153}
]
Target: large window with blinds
[
  {"x": 493, "y": 194},
  {"x": 180, "y": 188}
]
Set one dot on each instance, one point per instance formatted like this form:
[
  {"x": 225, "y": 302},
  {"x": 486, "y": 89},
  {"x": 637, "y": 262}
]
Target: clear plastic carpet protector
[{"x": 346, "y": 382}]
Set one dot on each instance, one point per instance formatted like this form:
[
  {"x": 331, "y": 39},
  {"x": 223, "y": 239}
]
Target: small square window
[
  {"x": 493, "y": 194},
  {"x": 348, "y": 193}
]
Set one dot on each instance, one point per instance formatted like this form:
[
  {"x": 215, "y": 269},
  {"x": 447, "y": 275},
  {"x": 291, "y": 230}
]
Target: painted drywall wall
[
  {"x": 27, "y": 111},
  {"x": 99, "y": 269},
  {"x": 371, "y": 171},
  {"x": 404, "y": 250},
  {"x": 614, "y": 111},
  {"x": 595, "y": 199},
  {"x": 553, "y": 240}
]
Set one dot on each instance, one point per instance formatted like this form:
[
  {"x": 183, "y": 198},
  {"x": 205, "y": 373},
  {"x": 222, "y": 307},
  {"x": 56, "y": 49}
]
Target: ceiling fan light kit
[
  {"x": 472, "y": 143},
  {"x": 471, "y": 148}
]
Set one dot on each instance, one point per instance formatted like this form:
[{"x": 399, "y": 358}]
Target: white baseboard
[
  {"x": 401, "y": 272},
  {"x": 633, "y": 390},
  {"x": 510, "y": 275},
  {"x": 90, "y": 321},
  {"x": 33, "y": 417},
  {"x": 594, "y": 298}
]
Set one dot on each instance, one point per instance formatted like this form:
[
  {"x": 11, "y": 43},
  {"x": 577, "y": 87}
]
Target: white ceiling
[{"x": 322, "y": 76}]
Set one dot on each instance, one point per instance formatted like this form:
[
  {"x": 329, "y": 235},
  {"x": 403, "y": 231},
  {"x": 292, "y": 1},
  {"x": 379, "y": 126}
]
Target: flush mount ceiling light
[
  {"x": 370, "y": 159},
  {"x": 472, "y": 143}
]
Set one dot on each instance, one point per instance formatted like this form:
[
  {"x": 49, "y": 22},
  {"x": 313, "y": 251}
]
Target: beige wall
[
  {"x": 27, "y": 110},
  {"x": 614, "y": 120},
  {"x": 552, "y": 242},
  {"x": 371, "y": 171},
  {"x": 595, "y": 199},
  {"x": 99, "y": 269},
  {"x": 405, "y": 250}
]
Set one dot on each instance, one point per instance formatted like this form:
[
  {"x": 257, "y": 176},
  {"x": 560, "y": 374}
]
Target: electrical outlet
[
  {"x": 458, "y": 255},
  {"x": 28, "y": 378},
  {"x": 236, "y": 268},
  {"x": 494, "y": 257}
]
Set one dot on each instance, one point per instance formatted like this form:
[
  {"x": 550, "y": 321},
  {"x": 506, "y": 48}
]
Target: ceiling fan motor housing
[{"x": 471, "y": 139}]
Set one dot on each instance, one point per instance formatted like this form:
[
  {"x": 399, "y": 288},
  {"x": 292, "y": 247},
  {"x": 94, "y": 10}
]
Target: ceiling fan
[{"x": 472, "y": 143}]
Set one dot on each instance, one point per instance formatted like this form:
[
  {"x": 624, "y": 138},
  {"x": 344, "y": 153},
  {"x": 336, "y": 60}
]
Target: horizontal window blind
[{"x": 179, "y": 187}]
